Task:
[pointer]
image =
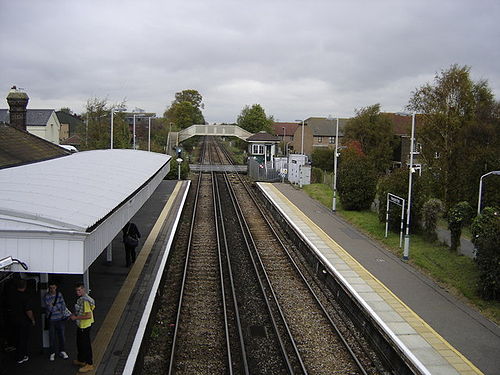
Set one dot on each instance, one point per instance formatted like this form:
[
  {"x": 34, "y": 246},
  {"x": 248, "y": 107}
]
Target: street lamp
[
  {"x": 334, "y": 203},
  {"x": 149, "y": 132},
  {"x": 284, "y": 137},
  {"x": 406, "y": 249},
  {"x": 113, "y": 110},
  {"x": 302, "y": 141},
  {"x": 135, "y": 115},
  {"x": 481, "y": 187}
]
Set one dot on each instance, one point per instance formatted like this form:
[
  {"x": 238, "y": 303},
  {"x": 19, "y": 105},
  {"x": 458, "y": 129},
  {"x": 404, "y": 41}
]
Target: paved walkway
[
  {"x": 466, "y": 246},
  {"x": 474, "y": 336}
]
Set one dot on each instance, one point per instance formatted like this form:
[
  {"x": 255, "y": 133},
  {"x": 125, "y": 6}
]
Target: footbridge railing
[{"x": 215, "y": 130}]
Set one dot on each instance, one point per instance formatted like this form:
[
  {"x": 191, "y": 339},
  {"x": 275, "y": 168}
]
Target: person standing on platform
[
  {"x": 23, "y": 319},
  {"x": 84, "y": 317},
  {"x": 131, "y": 237},
  {"x": 56, "y": 311}
]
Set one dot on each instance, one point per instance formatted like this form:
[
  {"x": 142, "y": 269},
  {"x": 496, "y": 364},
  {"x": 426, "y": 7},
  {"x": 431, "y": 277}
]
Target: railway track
[{"x": 246, "y": 305}]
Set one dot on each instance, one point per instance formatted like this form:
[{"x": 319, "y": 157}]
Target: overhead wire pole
[{"x": 406, "y": 250}]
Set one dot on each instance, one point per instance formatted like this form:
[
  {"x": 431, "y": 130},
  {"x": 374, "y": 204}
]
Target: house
[
  {"x": 323, "y": 131},
  {"x": 402, "y": 133},
  {"x": 41, "y": 122},
  {"x": 262, "y": 147},
  {"x": 70, "y": 125},
  {"x": 291, "y": 136}
]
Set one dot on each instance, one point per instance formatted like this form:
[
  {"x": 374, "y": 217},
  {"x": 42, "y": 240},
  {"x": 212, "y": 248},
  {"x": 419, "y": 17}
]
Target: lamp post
[
  {"x": 149, "y": 132},
  {"x": 334, "y": 203},
  {"x": 133, "y": 128},
  {"x": 302, "y": 138},
  {"x": 481, "y": 188},
  {"x": 406, "y": 249},
  {"x": 284, "y": 137}
]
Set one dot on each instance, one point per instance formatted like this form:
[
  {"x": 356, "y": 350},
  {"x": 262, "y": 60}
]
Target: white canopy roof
[{"x": 72, "y": 196}]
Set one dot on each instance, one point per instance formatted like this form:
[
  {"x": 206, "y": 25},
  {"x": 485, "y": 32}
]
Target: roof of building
[
  {"x": 18, "y": 147},
  {"x": 77, "y": 191},
  {"x": 263, "y": 137},
  {"x": 34, "y": 117},
  {"x": 290, "y": 128},
  {"x": 324, "y": 127},
  {"x": 74, "y": 140},
  {"x": 402, "y": 123}
]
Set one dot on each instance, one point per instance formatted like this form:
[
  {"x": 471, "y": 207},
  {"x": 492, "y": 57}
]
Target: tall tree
[
  {"x": 96, "y": 132},
  {"x": 373, "y": 130},
  {"x": 459, "y": 132},
  {"x": 254, "y": 119},
  {"x": 185, "y": 110}
]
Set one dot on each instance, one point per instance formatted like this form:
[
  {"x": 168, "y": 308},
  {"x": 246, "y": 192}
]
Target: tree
[
  {"x": 357, "y": 181},
  {"x": 97, "y": 131},
  {"x": 185, "y": 110},
  {"x": 459, "y": 131},
  {"x": 322, "y": 158},
  {"x": 254, "y": 119},
  {"x": 486, "y": 237},
  {"x": 66, "y": 110},
  {"x": 458, "y": 216},
  {"x": 430, "y": 215},
  {"x": 374, "y": 131}
]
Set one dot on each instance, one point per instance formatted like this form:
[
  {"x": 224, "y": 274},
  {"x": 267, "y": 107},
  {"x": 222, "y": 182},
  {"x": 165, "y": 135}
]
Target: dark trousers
[
  {"x": 56, "y": 333},
  {"x": 83, "y": 345},
  {"x": 129, "y": 255},
  {"x": 23, "y": 332}
]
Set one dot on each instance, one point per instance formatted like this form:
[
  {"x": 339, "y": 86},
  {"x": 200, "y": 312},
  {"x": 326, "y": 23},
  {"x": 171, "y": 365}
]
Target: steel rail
[
  {"x": 307, "y": 284},
  {"x": 251, "y": 243}
]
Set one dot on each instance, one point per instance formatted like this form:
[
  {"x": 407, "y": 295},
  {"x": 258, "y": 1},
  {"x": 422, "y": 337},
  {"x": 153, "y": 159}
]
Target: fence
[{"x": 262, "y": 172}]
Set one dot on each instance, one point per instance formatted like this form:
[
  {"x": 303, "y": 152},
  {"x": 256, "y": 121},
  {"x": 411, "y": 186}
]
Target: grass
[{"x": 456, "y": 273}]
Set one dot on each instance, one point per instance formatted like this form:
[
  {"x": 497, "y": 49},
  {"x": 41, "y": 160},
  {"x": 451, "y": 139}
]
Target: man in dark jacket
[
  {"x": 131, "y": 237},
  {"x": 22, "y": 318}
]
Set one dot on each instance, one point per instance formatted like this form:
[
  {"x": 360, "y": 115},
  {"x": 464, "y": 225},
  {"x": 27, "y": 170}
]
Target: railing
[{"x": 214, "y": 130}]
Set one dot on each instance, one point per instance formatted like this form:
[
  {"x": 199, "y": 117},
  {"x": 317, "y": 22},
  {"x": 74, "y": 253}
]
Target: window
[
  {"x": 258, "y": 149},
  {"x": 320, "y": 139},
  {"x": 332, "y": 140}
]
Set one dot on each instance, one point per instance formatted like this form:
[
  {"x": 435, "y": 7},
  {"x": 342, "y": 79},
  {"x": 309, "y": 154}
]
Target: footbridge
[{"x": 217, "y": 130}]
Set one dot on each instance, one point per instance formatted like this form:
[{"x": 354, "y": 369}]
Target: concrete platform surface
[{"x": 467, "y": 331}]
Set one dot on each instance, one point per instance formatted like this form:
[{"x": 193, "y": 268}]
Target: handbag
[{"x": 130, "y": 240}]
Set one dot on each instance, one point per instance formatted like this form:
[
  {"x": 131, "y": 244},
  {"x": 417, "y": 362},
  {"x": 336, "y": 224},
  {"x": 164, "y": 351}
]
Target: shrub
[
  {"x": 173, "y": 173},
  {"x": 322, "y": 158},
  {"x": 357, "y": 181},
  {"x": 430, "y": 214},
  {"x": 486, "y": 237},
  {"x": 458, "y": 216},
  {"x": 316, "y": 176}
]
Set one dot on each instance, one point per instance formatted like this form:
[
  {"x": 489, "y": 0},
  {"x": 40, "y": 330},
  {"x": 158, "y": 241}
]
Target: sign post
[{"x": 391, "y": 198}]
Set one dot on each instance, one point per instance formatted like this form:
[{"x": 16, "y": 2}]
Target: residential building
[
  {"x": 402, "y": 133},
  {"x": 323, "y": 131},
  {"x": 70, "y": 125}
]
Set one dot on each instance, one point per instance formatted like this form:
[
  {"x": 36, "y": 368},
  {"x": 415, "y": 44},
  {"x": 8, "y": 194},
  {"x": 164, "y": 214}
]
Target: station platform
[
  {"x": 123, "y": 296},
  {"x": 439, "y": 334}
]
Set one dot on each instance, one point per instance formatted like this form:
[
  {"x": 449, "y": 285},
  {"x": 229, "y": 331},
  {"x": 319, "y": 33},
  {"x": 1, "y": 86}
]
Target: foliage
[
  {"x": 374, "y": 131},
  {"x": 66, "y": 110},
  {"x": 174, "y": 172},
  {"x": 430, "y": 215},
  {"x": 316, "y": 175},
  {"x": 397, "y": 183},
  {"x": 96, "y": 134},
  {"x": 254, "y": 119},
  {"x": 458, "y": 216},
  {"x": 486, "y": 237},
  {"x": 185, "y": 110},
  {"x": 323, "y": 158},
  {"x": 459, "y": 117},
  {"x": 357, "y": 181}
]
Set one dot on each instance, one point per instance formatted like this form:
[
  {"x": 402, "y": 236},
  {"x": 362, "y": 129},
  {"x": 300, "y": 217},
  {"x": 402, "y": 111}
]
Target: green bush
[
  {"x": 316, "y": 176},
  {"x": 322, "y": 158},
  {"x": 458, "y": 216},
  {"x": 173, "y": 173},
  {"x": 486, "y": 237},
  {"x": 357, "y": 181},
  {"x": 430, "y": 215}
]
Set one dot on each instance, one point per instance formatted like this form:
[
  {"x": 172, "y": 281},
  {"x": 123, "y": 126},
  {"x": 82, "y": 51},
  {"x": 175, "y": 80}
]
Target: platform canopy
[{"x": 58, "y": 215}]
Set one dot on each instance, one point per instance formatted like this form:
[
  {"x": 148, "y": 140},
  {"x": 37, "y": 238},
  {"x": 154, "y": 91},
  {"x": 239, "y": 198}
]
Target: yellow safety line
[
  {"x": 108, "y": 326},
  {"x": 416, "y": 316}
]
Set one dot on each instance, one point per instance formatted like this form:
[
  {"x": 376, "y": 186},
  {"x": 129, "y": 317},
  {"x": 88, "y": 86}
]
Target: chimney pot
[{"x": 18, "y": 101}]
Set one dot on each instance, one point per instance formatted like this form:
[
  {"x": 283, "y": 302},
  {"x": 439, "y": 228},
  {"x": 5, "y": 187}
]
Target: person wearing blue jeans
[{"x": 56, "y": 311}]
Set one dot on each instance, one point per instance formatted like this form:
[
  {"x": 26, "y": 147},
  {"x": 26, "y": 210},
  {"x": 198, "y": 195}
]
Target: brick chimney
[{"x": 18, "y": 101}]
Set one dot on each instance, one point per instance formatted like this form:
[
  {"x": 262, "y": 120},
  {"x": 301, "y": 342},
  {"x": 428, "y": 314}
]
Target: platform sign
[{"x": 391, "y": 198}]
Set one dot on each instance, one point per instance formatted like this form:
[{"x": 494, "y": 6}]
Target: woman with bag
[
  {"x": 56, "y": 316},
  {"x": 131, "y": 237}
]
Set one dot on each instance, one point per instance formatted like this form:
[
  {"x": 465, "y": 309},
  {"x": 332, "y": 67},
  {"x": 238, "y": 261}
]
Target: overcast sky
[{"x": 295, "y": 58}]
